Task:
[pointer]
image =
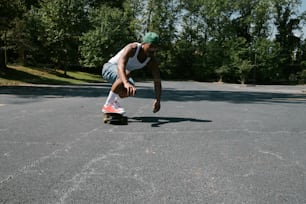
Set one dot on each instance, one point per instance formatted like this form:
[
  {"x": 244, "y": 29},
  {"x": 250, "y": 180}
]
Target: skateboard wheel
[{"x": 113, "y": 118}]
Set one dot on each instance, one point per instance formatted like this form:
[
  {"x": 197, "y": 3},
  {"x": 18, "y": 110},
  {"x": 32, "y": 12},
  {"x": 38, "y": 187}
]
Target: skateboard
[{"x": 115, "y": 118}]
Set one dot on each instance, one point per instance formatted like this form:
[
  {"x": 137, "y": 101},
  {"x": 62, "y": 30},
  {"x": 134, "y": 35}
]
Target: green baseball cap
[{"x": 151, "y": 38}]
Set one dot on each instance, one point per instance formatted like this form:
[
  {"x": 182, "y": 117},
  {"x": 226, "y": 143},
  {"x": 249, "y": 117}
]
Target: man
[{"x": 118, "y": 70}]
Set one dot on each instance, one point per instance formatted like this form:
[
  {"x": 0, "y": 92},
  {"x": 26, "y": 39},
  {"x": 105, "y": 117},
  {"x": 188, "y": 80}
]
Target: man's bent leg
[
  {"x": 119, "y": 88},
  {"x": 110, "y": 73}
]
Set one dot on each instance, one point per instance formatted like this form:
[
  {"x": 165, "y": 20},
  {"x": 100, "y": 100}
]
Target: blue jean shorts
[{"x": 110, "y": 73}]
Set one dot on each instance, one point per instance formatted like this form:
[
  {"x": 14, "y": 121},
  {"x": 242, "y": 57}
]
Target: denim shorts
[{"x": 110, "y": 73}]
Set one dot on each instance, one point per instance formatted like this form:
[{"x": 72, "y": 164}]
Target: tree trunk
[
  {"x": 2, "y": 59},
  {"x": 21, "y": 57},
  {"x": 3, "y": 52}
]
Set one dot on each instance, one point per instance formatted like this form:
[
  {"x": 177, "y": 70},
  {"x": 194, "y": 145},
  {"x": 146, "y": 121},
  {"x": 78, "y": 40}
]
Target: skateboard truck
[{"x": 115, "y": 118}]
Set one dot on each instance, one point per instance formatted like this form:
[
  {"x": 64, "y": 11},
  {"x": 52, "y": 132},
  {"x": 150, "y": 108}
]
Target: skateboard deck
[{"x": 115, "y": 118}]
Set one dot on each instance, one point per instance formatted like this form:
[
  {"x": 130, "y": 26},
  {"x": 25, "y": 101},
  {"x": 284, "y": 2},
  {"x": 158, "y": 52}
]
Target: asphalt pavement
[{"x": 210, "y": 143}]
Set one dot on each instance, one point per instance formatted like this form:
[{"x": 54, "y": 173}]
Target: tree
[
  {"x": 109, "y": 33},
  {"x": 9, "y": 11},
  {"x": 60, "y": 24},
  {"x": 265, "y": 54},
  {"x": 286, "y": 22},
  {"x": 97, "y": 3},
  {"x": 161, "y": 16},
  {"x": 226, "y": 40},
  {"x": 133, "y": 9},
  {"x": 194, "y": 37}
]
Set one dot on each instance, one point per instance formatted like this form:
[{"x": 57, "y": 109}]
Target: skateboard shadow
[{"x": 158, "y": 121}]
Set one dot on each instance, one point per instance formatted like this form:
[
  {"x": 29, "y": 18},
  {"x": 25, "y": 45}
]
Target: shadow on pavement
[
  {"x": 158, "y": 121},
  {"x": 90, "y": 90},
  {"x": 239, "y": 97},
  {"x": 168, "y": 94}
]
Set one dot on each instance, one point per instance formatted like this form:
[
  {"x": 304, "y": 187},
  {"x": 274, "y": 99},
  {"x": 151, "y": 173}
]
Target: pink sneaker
[
  {"x": 112, "y": 108},
  {"x": 117, "y": 106}
]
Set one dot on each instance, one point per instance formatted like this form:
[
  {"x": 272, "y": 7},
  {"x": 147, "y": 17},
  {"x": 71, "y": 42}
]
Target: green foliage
[
  {"x": 10, "y": 14},
  {"x": 287, "y": 21},
  {"x": 56, "y": 27},
  {"x": 228, "y": 40},
  {"x": 302, "y": 76},
  {"x": 9, "y": 10},
  {"x": 265, "y": 53},
  {"x": 221, "y": 71},
  {"x": 161, "y": 16},
  {"x": 107, "y": 35}
]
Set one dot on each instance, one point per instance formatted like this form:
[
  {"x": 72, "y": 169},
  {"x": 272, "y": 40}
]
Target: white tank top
[{"x": 133, "y": 62}]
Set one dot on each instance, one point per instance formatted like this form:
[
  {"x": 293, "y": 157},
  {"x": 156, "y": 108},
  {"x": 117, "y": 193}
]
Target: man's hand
[
  {"x": 130, "y": 89},
  {"x": 156, "y": 106}
]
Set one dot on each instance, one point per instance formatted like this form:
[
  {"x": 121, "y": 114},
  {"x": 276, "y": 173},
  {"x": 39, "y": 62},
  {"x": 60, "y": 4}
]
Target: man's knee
[
  {"x": 121, "y": 91},
  {"x": 123, "y": 95}
]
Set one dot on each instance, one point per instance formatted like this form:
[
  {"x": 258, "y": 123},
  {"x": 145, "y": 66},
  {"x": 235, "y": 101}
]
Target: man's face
[{"x": 150, "y": 49}]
